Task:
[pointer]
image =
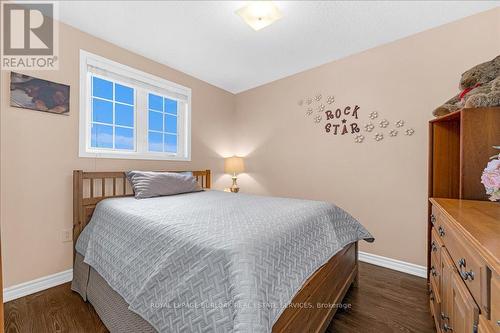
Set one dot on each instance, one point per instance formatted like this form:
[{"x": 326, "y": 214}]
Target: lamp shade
[{"x": 234, "y": 165}]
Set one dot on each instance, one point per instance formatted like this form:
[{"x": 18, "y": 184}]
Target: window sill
[{"x": 133, "y": 156}]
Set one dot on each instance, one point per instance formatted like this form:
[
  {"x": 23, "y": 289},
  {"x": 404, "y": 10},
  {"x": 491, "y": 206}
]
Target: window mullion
[
  {"x": 180, "y": 128},
  {"x": 142, "y": 121}
]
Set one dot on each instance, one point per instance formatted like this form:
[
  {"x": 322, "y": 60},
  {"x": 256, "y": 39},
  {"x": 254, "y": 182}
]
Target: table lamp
[{"x": 234, "y": 165}]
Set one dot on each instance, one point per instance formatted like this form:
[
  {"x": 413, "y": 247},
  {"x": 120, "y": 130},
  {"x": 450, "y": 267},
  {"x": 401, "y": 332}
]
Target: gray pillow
[{"x": 147, "y": 184}]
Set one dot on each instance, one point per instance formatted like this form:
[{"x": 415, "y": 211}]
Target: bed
[{"x": 209, "y": 261}]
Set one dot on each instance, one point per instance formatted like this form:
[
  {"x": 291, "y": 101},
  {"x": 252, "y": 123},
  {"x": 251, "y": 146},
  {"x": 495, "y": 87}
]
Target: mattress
[{"x": 212, "y": 261}]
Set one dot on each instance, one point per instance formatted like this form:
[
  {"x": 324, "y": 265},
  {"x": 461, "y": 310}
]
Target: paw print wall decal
[
  {"x": 309, "y": 111},
  {"x": 359, "y": 138},
  {"x": 409, "y": 131},
  {"x": 321, "y": 108},
  {"x": 317, "y": 118},
  {"x": 330, "y": 99},
  {"x": 318, "y": 97},
  {"x": 384, "y": 125}
]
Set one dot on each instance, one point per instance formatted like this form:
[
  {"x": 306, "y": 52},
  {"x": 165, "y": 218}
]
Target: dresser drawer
[
  {"x": 435, "y": 275},
  {"x": 436, "y": 248},
  {"x": 470, "y": 267},
  {"x": 435, "y": 214},
  {"x": 435, "y": 304},
  {"x": 495, "y": 302},
  {"x": 485, "y": 326}
]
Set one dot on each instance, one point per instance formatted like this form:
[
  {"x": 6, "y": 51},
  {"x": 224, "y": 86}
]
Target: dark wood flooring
[{"x": 385, "y": 301}]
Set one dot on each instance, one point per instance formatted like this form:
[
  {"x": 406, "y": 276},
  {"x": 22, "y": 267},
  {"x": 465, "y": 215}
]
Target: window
[
  {"x": 126, "y": 113},
  {"x": 162, "y": 124},
  {"x": 113, "y": 115}
]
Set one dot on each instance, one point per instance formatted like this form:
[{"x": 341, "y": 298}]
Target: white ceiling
[{"x": 207, "y": 40}]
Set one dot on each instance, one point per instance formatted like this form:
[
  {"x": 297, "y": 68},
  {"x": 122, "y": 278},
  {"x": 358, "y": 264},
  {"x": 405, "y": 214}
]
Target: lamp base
[{"x": 234, "y": 188}]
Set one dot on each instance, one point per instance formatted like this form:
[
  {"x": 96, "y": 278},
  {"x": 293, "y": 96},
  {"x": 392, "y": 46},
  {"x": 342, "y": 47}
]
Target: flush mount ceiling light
[{"x": 259, "y": 14}]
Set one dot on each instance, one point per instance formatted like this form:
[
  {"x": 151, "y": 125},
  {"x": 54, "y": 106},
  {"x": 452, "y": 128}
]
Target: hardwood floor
[{"x": 385, "y": 301}]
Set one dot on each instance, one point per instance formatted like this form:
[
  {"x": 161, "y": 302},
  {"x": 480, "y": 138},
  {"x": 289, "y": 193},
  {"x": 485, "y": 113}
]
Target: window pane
[
  {"x": 170, "y": 124},
  {"x": 124, "y": 138},
  {"x": 124, "y": 94},
  {"x": 155, "y": 102},
  {"x": 170, "y": 106},
  {"x": 155, "y": 121},
  {"x": 124, "y": 115},
  {"x": 155, "y": 141},
  {"x": 171, "y": 143},
  {"x": 102, "y": 136},
  {"x": 102, "y": 111},
  {"x": 102, "y": 88}
]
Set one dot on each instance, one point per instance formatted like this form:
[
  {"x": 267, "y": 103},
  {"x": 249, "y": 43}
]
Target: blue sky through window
[
  {"x": 162, "y": 124},
  {"x": 112, "y": 115}
]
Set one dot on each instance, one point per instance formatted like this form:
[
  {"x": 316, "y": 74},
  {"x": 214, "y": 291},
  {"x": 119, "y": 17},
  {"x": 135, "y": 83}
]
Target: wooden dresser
[
  {"x": 465, "y": 265},
  {"x": 464, "y": 229}
]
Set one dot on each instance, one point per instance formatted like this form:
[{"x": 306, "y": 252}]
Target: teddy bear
[{"x": 480, "y": 87}]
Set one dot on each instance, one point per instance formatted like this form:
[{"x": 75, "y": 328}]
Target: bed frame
[{"x": 312, "y": 308}]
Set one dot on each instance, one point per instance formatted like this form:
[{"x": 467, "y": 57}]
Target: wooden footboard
[{"x": 314, "y": 306}]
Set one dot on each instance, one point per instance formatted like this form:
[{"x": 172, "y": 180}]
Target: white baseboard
[
  {"x": 49, "y": 281},
  {"x": 397, "y": 265},
  {"x": 36, "y": 285}
]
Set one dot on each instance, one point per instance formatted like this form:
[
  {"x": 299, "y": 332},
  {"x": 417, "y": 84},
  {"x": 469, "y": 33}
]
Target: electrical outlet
[{"x": 67, "y": 235}]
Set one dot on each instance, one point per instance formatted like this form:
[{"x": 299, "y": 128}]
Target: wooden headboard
[{"x": 91, "y": 187}]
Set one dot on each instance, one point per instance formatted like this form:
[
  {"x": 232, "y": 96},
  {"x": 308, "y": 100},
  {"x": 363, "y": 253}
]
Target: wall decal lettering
[
  {"x": 342, "y": 121},
  {"x": 345, "y": 120}
]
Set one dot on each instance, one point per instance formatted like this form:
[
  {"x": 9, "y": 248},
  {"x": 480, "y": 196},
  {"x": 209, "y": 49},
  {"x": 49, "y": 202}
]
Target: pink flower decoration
[{"x": 491, "y": 179}]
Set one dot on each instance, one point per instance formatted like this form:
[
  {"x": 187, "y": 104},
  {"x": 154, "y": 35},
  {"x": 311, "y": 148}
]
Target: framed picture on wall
[{"x": 28, "y": 92}]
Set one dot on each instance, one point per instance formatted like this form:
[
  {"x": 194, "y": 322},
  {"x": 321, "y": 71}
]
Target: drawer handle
[
  {"x": 464, "y": 274},
  {"x": 447, "y": 328},
  {"x": 441, "y": 231},
  {"x": 467, "y": 275},
  {"x": 444, "y": 317},
  {"x": 433, "y": 271},
  {"x": 434, "y": 247},
  {"x": 433, "y": 219},
  {"x": 461, "y": 262}
]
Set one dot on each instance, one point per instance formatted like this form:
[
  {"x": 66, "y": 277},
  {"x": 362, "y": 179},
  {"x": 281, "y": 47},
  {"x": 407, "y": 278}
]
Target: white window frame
[{"x": 141, "y": 113}]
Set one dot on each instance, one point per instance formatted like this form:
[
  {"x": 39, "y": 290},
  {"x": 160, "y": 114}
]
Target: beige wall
[
  {"x": 40, "y": 150},
  {"x": 383, "y": 184}
]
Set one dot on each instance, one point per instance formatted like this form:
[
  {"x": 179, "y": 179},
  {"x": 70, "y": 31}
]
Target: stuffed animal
[{"x": 480, "y": 87}]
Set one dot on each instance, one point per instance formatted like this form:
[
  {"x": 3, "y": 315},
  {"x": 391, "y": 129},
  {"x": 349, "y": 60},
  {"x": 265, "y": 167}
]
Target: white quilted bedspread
[{"x": 213, "y": 261}]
